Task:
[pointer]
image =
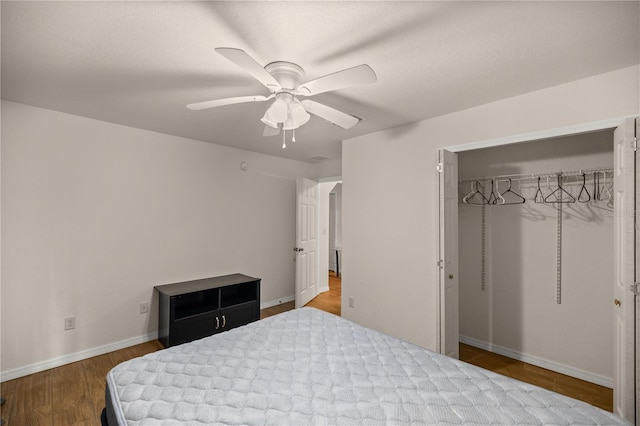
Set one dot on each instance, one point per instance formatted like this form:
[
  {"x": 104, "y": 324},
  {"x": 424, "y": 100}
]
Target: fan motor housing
[{"x": 288, "y": 74}]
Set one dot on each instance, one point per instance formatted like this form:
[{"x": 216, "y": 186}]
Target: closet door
[
  {"x": 625, "y": 258},
  {"x": 448, "y": 252}
]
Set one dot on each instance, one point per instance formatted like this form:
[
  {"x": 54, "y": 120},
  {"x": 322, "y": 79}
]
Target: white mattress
[{"x": 309, "y": 367}]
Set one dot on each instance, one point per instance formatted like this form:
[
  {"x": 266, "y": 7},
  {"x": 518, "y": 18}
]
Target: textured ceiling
[{"x": 139, "y": 63}]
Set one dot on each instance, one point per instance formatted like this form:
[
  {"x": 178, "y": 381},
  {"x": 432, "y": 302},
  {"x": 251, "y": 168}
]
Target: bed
[{"x": 309, "y": 367}]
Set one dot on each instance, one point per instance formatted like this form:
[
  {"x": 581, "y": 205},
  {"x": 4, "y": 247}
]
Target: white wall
[
  {"x": 389, "y": 195},
  {"x": 95, "y": 214},
  {"x": 517, "y": 314}
]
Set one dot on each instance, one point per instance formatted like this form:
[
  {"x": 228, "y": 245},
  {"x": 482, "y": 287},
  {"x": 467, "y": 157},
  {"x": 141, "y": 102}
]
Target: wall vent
[{"x": 317, "y": 158}]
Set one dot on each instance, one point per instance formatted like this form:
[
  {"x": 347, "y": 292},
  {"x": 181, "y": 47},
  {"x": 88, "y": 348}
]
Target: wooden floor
[
  {"x": 74, "y": 394},
  {"x": 579, "y": 389}
]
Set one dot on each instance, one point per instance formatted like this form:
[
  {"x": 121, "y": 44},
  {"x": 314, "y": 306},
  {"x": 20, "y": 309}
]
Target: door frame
[
  {"x": 580, "y": 128},
  {"x": 322, "y": 248}
]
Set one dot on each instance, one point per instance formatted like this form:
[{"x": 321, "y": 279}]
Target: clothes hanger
[
  {"x": 520, "y": 198},
  {"x": 495, "y": 197},
  {"x": 559, "y": 192},
  {"x": 539, "y": 197},
  {"x": 584, "y": 190},
  {"x": 475, "y": 197},
  {"x": 608, "y": 190}
]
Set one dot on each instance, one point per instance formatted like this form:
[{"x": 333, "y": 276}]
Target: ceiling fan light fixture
[
  {"x": 278, "y": 111},
  {"x": 298, "y": 114},
  {"x": 268, "y": 121}
]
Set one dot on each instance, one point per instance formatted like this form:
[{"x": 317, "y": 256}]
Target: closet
[{"x": 535, "y": 234}]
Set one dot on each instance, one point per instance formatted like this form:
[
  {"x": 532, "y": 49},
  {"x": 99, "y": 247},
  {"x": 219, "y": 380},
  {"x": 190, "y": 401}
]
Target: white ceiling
[{"x": 139, "y": 63}]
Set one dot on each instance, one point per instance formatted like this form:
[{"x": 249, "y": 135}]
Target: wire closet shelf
[{"x": 595, "y": 184}]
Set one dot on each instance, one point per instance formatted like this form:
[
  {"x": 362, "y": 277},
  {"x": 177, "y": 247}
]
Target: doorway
[
  {"x": 623, "y": 383},
  {"x": 519, "y": 296},
  {"x": 329, "y": 244}
]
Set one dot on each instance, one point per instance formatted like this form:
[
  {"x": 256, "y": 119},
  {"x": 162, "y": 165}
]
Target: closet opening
[{"x": 536, "y": 253}]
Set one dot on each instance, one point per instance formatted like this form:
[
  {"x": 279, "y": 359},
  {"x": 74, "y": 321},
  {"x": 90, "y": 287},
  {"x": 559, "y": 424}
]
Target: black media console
[{"x": 192, "y": 310}]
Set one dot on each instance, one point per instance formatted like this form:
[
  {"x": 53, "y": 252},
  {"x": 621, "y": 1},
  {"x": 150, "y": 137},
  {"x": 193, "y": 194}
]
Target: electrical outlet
[
  {"x": 352, "y": 302},
  {"x": 69, "y": 323},
  {"x": 144, "y": 307}
]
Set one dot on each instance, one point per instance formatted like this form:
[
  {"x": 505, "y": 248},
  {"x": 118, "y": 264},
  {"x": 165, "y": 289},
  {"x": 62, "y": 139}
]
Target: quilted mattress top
[{"x": 309, "y": 367}]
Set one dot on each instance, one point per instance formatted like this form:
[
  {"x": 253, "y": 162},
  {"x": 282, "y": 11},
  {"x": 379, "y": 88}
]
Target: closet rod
[{"x": 528, "y": 176}]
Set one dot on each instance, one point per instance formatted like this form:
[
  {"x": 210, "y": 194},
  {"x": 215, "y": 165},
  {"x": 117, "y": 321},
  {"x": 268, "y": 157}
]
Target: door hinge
[
  {"x": 635, "y": 288},
  {"x": 634, "y": 144},
  {"x": 440, "y": 263},
  {"x": 439, "y": 168}
]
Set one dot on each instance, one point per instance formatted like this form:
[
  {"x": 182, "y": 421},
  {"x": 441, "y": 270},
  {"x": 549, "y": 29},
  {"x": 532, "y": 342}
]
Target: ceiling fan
[{"x": 283, "y": 79}]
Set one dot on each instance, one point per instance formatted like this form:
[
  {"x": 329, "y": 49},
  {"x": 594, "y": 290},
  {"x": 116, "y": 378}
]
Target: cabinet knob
[{"x": 616, "y": 302}]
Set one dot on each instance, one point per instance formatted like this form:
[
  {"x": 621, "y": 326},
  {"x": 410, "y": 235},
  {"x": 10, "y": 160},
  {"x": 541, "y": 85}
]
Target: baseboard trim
[
  {"x": 277, "y": 302},
  {"x": 74, "y": 357},
  {"x": 540, "y": 362},
  {"x": 100, "y": 350}
]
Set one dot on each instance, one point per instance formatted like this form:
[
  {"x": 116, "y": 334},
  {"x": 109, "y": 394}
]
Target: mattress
[{"x": 309, "y": 367}]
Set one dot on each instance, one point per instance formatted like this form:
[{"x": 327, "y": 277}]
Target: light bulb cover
[
  {"x": 268, "y": 121},
  {"x": 278, "y": 111},
  {"x": 299, "y": 115}
]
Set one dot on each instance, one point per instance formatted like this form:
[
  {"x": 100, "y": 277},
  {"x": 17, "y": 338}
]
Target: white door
[
  {"x": 306, "y": 240},
  {"x": 624, "y": 271},
  {"x": 448, "y": 251}
]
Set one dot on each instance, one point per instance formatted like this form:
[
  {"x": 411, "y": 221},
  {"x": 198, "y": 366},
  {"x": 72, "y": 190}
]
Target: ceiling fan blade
[
  {"x": 332, "y": 115},
  {"x": 270, "y": 131},
  {"x": 247, "y": 63},
  {"x": 362, "y": 74},
  {"x": 228, "y": 101}
]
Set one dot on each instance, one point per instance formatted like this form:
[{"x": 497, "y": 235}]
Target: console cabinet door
[
  {"x": 238, "y": 315},
  {"x": 194, "y": 327}
]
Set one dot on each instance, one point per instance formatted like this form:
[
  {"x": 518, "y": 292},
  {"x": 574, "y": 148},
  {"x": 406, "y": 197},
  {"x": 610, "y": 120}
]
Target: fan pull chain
[
  {"x": 284, "y": 143},
  {"x": 293, "y": 138}
]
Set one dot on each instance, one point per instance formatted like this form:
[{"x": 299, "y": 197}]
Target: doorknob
[
  {"x": 616, "y": 302},
  {"x": 450, "y": 276}
]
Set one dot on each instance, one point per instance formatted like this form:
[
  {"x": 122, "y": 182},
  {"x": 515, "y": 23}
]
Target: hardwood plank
[
  {"x": 80, "y": 415},
  {"x": 37, "y": 417},
  {"x": 71, "y": 400},
  {"x": 34, "y": 396},
  {"x": 96, "y": 370},
  {"x": 329, "y": 301}
]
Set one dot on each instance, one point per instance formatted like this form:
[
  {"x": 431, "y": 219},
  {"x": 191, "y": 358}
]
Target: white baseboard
[
  {"x": 323, "y": 289},
  {"x": 265, "y": 305},
  {"x": 540, "y": 362},
  {"x": 74, "y": 357},
  {"x": 100, "y": 350}
]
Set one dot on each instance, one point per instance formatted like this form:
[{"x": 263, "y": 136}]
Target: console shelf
[{"x": 192, "y": 310}]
